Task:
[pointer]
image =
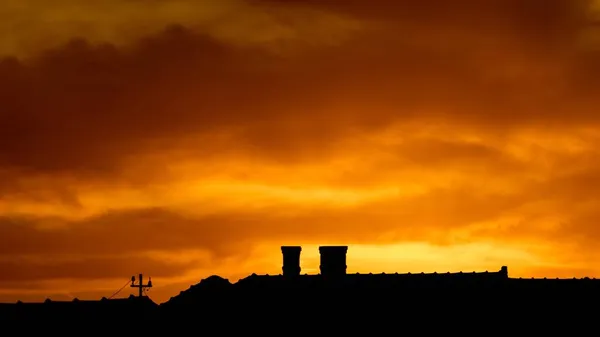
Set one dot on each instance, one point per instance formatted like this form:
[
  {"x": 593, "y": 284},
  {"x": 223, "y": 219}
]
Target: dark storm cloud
[{"x": 83, "y": 108}]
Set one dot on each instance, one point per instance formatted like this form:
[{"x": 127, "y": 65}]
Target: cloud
[
  {"x": 84, "y": 107},
  {"x": 434, "y": 216},
  {"x": 30, "y": 26},
  {"x": 225, "y": 126},
  {"x": 127, "y": 232},
  {"x": 22, "y": 269}
]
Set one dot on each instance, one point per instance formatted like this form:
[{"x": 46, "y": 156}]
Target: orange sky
[{"x": 184, "y": 138}]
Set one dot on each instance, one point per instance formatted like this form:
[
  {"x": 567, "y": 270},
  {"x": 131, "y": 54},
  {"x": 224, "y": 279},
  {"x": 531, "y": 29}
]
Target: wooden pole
[{"x": 141, "y": 284}]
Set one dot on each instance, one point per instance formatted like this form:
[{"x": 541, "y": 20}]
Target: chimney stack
[
  {"x": 333, "y": 260},
  {"x": 291, "y": 260}
]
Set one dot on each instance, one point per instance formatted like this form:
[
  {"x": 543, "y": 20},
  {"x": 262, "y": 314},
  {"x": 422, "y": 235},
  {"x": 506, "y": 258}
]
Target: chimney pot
[
  {"x": 333, "y": 260},
  {"x": 291, "y": 260}
]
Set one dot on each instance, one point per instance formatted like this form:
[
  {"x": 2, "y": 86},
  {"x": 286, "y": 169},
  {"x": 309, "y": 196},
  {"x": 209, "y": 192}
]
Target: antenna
[{"x": 141, "y": 286}]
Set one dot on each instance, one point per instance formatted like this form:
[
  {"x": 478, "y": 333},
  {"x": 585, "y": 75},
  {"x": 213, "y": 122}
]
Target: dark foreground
[
  {"x": 509, "y": 306},
  {"x": 332, "y": 302}
]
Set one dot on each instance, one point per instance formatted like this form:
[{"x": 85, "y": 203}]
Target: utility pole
[{"x": 141, "y": 285}]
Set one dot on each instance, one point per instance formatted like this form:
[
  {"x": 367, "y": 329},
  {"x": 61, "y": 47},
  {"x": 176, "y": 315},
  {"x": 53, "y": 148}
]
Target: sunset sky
[{"x": 183, "y": 138}]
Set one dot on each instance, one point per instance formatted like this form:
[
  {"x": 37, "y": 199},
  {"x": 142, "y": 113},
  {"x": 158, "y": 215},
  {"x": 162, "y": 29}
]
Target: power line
[{"x": 118, "y": 291}]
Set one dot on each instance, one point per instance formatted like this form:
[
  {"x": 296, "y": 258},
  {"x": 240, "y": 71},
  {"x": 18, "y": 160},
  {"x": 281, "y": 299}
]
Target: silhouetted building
[
  {"x": 81, "y": 311},
  {"x": 332, "y": 299}
]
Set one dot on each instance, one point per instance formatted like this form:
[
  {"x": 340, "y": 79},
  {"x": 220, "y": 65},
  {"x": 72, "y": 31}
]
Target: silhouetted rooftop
[
  {"x": 85, "y": 310},
  {"x": 131, "y": 300},
  {"x": 334, "y": 291}
]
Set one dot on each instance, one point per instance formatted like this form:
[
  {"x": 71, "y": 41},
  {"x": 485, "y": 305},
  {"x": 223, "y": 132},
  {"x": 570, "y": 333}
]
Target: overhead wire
[{"x": 118, "y": 291}]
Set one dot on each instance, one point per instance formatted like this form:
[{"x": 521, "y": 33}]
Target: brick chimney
[
  {"x": 333, "y": 260},
  {"x": 291, "y": 260}
]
